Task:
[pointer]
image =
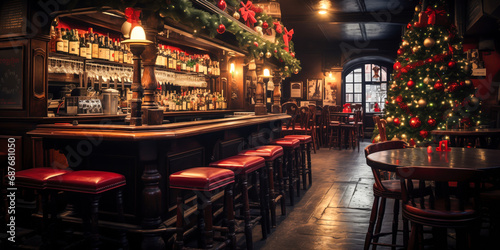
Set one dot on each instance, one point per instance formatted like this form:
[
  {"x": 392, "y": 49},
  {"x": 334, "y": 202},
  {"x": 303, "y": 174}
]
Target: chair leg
[
  {"x": 373, "y": 217},
  {"x": 231, "y": 224},
  {"x": 413, "y": 236},
  {"x": 179, "y": 239},
  {"x": 406, "y": 233},
  {"x": 380, "y": 219},
  {"x": 281, "y": 185},
  {"x": 395, "y": 220},
  {"x": 264, "y": 210},
  {"x": 272, "y": 196},
  {"x": 309, "y": 166},
  {"x": 119, "y": 209}
]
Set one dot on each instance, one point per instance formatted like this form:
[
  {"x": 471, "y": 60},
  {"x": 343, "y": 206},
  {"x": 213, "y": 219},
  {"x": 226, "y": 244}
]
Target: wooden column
[
  {"x": 260, "y": 106},
  {"x": 137, "y": 90},
  {"x": 276, "y": 108}
]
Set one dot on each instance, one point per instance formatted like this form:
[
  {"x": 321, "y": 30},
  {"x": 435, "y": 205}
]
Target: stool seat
[
  {"x": 201, "y": 178},
  {"x": 268, "y": 152},
  {"x": 37, "y": 177},
  {"x": 301, "y": 138},
  {"x": 287, "y": 143},
  {"x": 240, "y": 164},
  {"x": 86, "y": 181}
]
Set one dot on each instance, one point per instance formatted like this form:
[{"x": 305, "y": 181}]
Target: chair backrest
[
  {"x": 290, "y": 108},
  {"x": 306, "y": 116},
  {"x": 381, "y": 125},
  {"x": 379, "y": 174},
  {"x": 434, "y": 191},
  {"x": 325, "y": 116}
]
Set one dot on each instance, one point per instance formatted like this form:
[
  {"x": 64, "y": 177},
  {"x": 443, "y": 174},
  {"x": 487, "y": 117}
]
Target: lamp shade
[
  {"x": 266, "y": 73},
  {"x": 138, "y": 33}
]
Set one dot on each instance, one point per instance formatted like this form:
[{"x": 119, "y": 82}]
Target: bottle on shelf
[
  {"x": 117, "y": 50},
  {"x": 111, "y": 49},
  {"x": 74, "y": 44},
  {"x": 95, "y": 44},
  {"x": 53, "y": 38},
  {"x": 120, "y": 52},
  {"x": 106, "y": 47},
  {"x": 83, "y": 46},
  {"x": 59, "y": 42},
  {"x": 65, "y": 41},
  {"x": 88, "y": 45}
]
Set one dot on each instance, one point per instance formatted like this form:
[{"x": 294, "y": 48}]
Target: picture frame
[
  {"x": 330, "y": 93},
  {"x": 315, "y": 89},
  {"x": 12, "y": 80},
  {"x": 296, "y": 90}
]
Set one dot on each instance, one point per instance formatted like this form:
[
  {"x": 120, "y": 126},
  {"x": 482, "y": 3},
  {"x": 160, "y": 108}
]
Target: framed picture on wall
[
  {"x": 330, "y": 93},
  {"x": 11, "y": 80},
  {"x": 315, "y": 89},
  {"x": 296, "y": 90}
]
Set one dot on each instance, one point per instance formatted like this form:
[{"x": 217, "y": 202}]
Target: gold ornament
[
  {"x": 405, "y": 43},
  {"x": 422, "y": 103},
  {"x": 415, "y": 49},
  {"x": 295, "y": 71},
  {"x": 395, "y": 138},
  {"x": 429, "y": 42},
  {"x": 427, "y": 69},
  {"x": 236, "y": 15},
  {"x": 474, "y": 100},
  {"x": 427, "y": 80},
  {"x": 268, "y": 54},
  {"x": 417, "y": 8},
  {"x": 261, "y": 54},
  {"x": 389, "y": 119},
  {"x": 403, "y": 136},
  {"x": 393, "y": 86},
  {"x": 442, "y": 68},
  {"x": 377, "y": 138},
  {"x": 468, "y": 82},
  {"x": 286, "y": 68}
]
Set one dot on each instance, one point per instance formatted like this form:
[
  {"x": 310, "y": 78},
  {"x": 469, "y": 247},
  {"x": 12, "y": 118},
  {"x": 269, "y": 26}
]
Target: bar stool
[
  {"x": 271, "y": 154},
  {"x": 242, "y": 166},
  {"x": 206, "y": 180},
  {"x": 305, "y": 140},
  {"x": 93, "y": 184},
  {"x": 36, "y": 178},
  {"x": 291, "y": 147}
]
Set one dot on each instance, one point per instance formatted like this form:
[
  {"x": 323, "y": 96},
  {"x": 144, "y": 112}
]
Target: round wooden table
[
  {"x": 483, "y": 138},
  {"x": 472, "y": 158}
]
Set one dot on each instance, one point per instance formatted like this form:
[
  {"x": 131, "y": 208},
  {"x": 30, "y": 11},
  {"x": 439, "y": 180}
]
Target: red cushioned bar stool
[
  {"x": 204, "y": 180},
  {"x": 36, "y": 178},
  {"x": 243, "y": 166},
  {"x": 92, "y": 184},
  {"x": 273, "y": 155},
  {"x": 290, "y": 177},
  {"x": 305, "y": 146}
]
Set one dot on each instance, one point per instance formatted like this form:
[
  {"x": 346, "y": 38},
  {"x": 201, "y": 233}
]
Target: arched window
[{"x": 366, "y": 84}]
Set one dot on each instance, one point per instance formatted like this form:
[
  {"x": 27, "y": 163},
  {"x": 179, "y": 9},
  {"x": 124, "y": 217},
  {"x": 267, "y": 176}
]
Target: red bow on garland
[
  {"x": 247, "y": 13},
  {"x": 278, "y": 27},
  {"x": 287, "y": 37},
  {"x": 437, "y": 58}
]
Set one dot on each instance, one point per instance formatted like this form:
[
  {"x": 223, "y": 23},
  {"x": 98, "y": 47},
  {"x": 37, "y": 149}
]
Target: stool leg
[
  {"x": 272, "y": 202},
  {"x": 229, "y": 207},
  {"x": 246, "y": 211},
  {"x": 45, "y": 220},
  {"x": 378, "y": 227},
  {"x": 373, "y": 217},
  {"x": 264, "y": 201},
  {"x": 119, "y": 209},
  {"x": 207, "y": 224},
  {"x": 303, "y": 164},
  {"x": 297, "y": 170},
  {"x": 94, "y": 212},
  {"x": 289, "y": 177},
  {"x": 179, "y": 239},
  {"x": 309, "y": 166},
  {"x": 281, "y": 186}
]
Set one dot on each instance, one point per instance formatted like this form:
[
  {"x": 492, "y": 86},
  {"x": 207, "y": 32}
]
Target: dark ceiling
[{"x": 347, "y": 20}]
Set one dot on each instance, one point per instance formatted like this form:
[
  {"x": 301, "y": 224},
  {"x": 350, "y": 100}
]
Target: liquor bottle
[
  {"x": 53, "y": 38},
  {"x": 183, "y": 61},
  {"x": 101, "y": 47},
  {"x": 83, "y": 46},
  {"x": 74, "y": 44},
  {"x": 111, "y": 50},
  {"x": 171, "y": 61},
  {"x": 120, "y": 53},
  {"x": 88, "y": 44},
  {"x": 106, "y": 47},
  {"x": 117, "y": 50},
  {"x": 95, "y": 44},
  {"x": 65, "y": 41},
  {"x": 178, "y": 61},
  {"x": 59, "y": 42}
]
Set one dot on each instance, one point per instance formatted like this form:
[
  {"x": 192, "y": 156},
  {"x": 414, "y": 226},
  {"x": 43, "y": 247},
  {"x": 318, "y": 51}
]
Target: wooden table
[
  {"x": 472, "y": 158},
  {"x": 482, "y": 138}
]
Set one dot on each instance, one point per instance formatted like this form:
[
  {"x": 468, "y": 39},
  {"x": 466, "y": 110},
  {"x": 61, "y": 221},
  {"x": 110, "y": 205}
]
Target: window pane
[
  {"x": 349, "y": 88},
  {"x": 348, "y": 98},
  {"x": 358, "y": 70},
  {"x": 376, "y": 73},
  {"x": 349, "y": 77},
  {"x": 381, "y": 105},
  {"x": 367, "y": 107},
  {"x": 357, "y": 88},
  {"x": 358, "y": 98},
  {"x": 384, "y": 74},
  {"x": 368, "y": 72},
  {"x": 357, "y": 77}
]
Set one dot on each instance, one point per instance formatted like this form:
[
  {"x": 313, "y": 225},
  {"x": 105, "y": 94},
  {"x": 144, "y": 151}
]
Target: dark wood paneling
[
  {"x": 231, "y": 147},
  {"x": 39, "y": 86}
]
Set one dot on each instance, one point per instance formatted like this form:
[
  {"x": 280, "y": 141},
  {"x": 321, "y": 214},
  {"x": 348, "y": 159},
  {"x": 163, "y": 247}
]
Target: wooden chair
[
  {"x": 334, "y": 126},
  {"x": 381, "y": 125},
  {"x": 352, "y": 130},
  {"x": 359, "y": 107},
  {"x": 289, "y": 108},
  {"x": 384, "y": 188},
  {"x": 307, "y": 124},
  {"x": 324, "y": 125},
  {"x": 440, "y": 205}
]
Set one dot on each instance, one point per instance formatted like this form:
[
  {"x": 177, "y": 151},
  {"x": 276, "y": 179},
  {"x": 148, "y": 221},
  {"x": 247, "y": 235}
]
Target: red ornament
[
  {"x": 408, "y": 26},
  {"x": 222, "y": 5},
  {"x": 399, "y": 98},
  {"x": 431, "y": 122},
  {"x": 429, "y": 60},
  {"x": 292, "y": 54},
  {"x": 256, "y": 44},
  {"x": 412, "y": 142},
  {"x": 404, "y": 70},
  {"x": 415, "y": 122},
  {"x": 397, "y": 66},
  {"x": 462, "y": 84},
  {"x": 265, "y": 25},
  {"x": 221, "y": 29},
  {"x": 438, "y": 86},
  {"x": 451, "y": 64},
  {"x": 400, "y": 51},
  {"x": 396, "y": 121},
  {"x": 275, "y": 51},
  {"x": 453, "y": 87},
  {"x": 386, "y": 102},
  {"x": 424, "y": 133},
  {"x": 410, "y": 84}
]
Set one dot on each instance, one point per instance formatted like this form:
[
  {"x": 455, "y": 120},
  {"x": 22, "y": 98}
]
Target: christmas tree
[{"x": 429, "y": 88}]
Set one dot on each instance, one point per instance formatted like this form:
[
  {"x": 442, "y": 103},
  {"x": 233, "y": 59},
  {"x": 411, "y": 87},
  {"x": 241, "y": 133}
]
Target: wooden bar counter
[{"x": 147, "y": 155}]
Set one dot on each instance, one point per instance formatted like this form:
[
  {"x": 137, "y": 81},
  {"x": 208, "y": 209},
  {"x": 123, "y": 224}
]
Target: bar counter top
[{"x": 108, "y": 131}]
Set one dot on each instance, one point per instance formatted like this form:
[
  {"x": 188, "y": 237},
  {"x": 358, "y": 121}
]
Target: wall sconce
[
  {"x": 232, "y": 69},
  {"x": 266, "y": 73},
  {"x": 330, "y": 75}
]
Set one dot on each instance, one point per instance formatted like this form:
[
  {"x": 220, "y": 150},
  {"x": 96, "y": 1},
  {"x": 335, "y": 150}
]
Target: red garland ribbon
[
  {"x": 247, "y": 13},
  {"x": 278, "y": 27},
  {"x": 434, "y": 59},
  {"x": 436, "y": 16},
  {"x": 287, "y": 37}
]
